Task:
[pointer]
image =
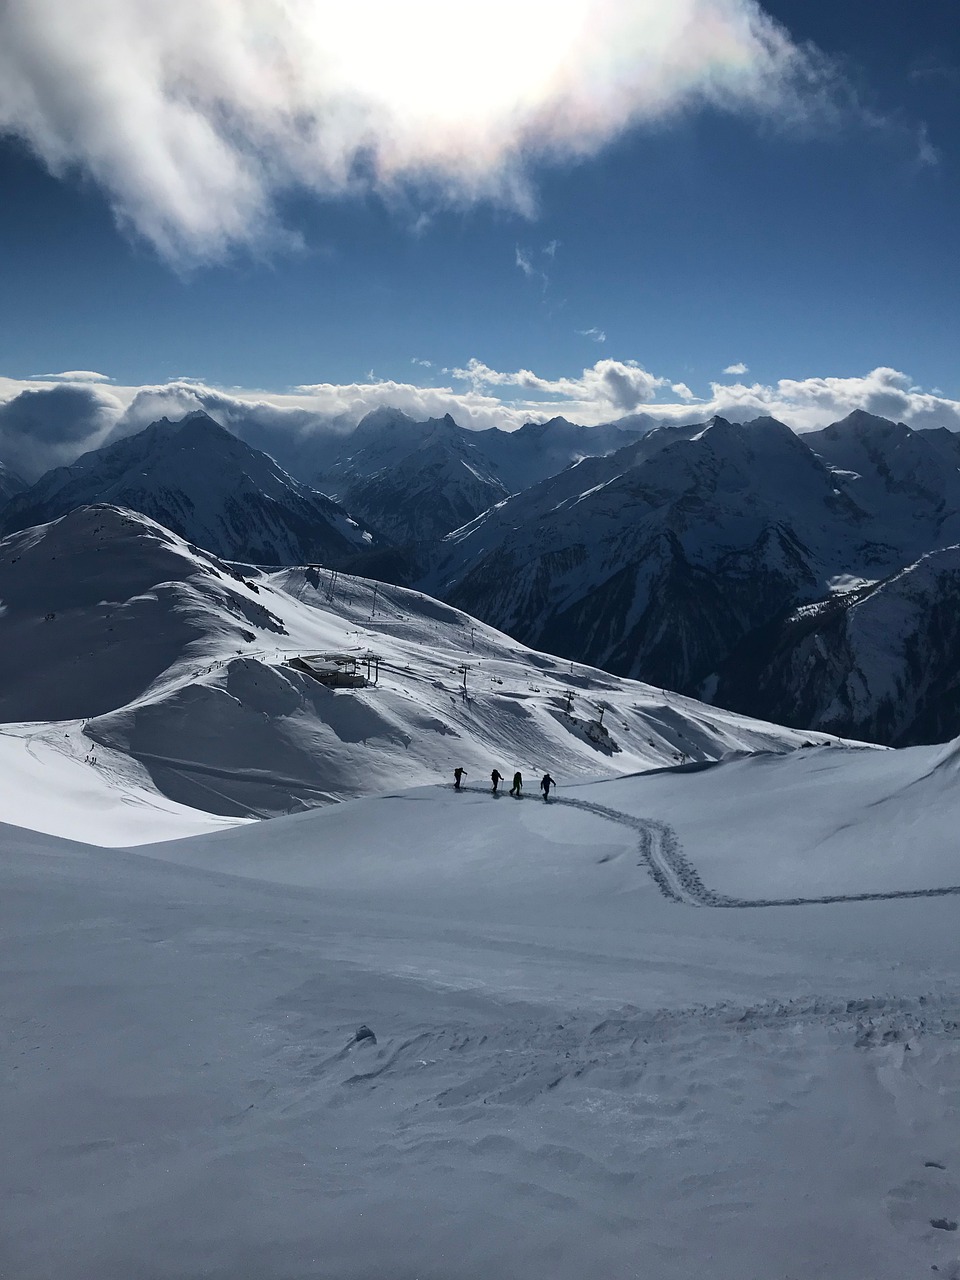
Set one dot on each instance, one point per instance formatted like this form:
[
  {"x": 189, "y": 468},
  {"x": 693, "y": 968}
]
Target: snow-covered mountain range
[
  {"x": 671, "y": 557},
  {"x": 198, "y": 479},
  {"x": 412, "y": 481},
  {"x": 880, "y": 660},
  {"x": 416, "y": 481},
  {"x": 727, "y": 561},
  {"x": 173, "y": 669}
]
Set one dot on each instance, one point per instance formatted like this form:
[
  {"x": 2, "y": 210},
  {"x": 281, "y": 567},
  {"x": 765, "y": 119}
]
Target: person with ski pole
[
  {"x": 457, "y": 775},
  {"x": 546, "y": 782},
  {"x": 496, "y": 777},
  {"x": 517, "y": 784}
]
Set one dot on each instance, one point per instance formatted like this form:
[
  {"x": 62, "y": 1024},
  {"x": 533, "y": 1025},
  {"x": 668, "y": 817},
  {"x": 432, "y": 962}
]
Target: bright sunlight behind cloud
[{"x": 194, "y": 115}]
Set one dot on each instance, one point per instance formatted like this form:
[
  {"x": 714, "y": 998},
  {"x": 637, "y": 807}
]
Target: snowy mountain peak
[
  {"x": 195, "y": 477},
  {"x": 379, "y": 421},
  {"x": 859, "y": 423},
  {"x": 552, "y": 425}
]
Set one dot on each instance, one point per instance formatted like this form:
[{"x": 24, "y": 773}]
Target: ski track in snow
[{"x": 680, "y": 882}]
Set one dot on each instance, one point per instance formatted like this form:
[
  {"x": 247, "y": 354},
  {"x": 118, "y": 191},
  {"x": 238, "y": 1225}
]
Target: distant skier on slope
[
  {"x": 457, "y": 775},
  {"x": 546, "y": 782},
  {"x": 496, "y": 778},
  {"x": 517, "y": 784}
]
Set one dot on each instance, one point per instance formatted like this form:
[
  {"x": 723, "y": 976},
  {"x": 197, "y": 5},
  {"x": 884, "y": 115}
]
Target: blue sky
[{"x": 799, "y": 219}]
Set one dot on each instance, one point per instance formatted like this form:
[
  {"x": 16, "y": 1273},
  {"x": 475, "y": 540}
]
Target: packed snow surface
[{"x": 590, "y": 1055}]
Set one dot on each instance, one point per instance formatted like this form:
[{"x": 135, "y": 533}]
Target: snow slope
[
  {"x": 56, "y": 780},
  {"x": 162, "y": 657},
  {"x": 576, "y": 1071}
]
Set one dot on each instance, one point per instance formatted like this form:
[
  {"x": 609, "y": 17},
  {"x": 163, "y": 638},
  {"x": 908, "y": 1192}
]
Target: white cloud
[
  {"x": 523, "y": 262},
  {"x": 426, "y": 364},
  {"x": 928, "y": 156},
  {"x": 738, "y": 368},
  {"x": 596, "y": 334},
  {"x": 195, "y": 116},
  {"x": 524, "y": 259},
  {"x": 619, "y": 385},
  {"x": 808, "y": 403},
  {"x": 72, "y": 375},
  {"x": 45, "y": 426}
]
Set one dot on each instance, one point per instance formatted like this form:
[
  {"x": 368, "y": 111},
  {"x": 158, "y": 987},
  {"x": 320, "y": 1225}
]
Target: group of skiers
[{"x": 496, "y": 777}]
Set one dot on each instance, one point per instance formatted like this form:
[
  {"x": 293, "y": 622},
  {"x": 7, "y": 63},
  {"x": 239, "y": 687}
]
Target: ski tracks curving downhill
[{"x": 679, "y": 881}]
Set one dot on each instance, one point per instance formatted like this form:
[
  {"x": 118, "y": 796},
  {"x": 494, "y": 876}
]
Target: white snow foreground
[
  {"x": 146, "y": 692},
  {"x": 577, "y": 1071}
]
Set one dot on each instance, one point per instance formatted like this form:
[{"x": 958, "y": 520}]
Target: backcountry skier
[
  {"x": 546, "y": 782},
  {"x": 457, "y": 775},
  {"x": 496, "y": 778},
  {"x": 517, "y": 784}
]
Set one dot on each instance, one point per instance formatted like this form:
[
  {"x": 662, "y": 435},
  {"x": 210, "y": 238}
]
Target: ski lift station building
[{"x": 337, "y": 670}]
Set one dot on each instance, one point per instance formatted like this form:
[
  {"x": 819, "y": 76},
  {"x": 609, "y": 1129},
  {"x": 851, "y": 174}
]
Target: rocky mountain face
[
  {"x": 540, "y": 449},
  {"x": 413, "y": 481},
  {"x": 10, "y": 485},
  {"x": 878, "y": 663},
  {"x": 416, "y": 481},
  {"x": 199, "y": 480},
  {"x": 675, "y": 558}
]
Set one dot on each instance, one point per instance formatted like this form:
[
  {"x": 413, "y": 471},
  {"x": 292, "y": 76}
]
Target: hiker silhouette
[
  {"x": 457, "y": 775},
  {"x": 546, "y": 782},
  {"x": 496, "y": 778},
  {"x": 517, "y": 784}
]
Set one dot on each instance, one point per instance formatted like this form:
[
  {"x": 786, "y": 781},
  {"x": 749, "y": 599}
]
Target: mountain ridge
[{"x": 200, "y": 480}]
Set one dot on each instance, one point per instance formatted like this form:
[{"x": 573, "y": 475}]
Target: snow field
[
  {"x": 817, "y": 823},
  {"x": 572, "y": 1073}
]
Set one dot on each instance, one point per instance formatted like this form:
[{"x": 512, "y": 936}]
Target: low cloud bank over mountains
[{"x": 52, "y": 419}]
